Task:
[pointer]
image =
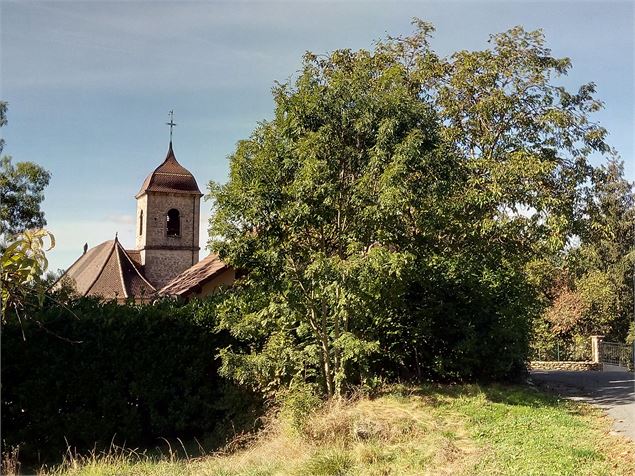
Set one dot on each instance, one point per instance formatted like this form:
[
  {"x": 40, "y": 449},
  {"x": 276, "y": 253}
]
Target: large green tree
[
  {"x": 320, "y": 206},
  {"x": 526, "y": 139},
  {"x": 394, "y": 202},
  {"x": 21, "y": 191}
]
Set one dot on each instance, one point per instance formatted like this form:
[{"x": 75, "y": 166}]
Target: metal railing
[
  {"x": 615, "y": 353},
  {"x": 566, "y": 351}
]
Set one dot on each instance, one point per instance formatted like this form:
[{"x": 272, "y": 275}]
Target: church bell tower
[{"x": 167, "y": 220}]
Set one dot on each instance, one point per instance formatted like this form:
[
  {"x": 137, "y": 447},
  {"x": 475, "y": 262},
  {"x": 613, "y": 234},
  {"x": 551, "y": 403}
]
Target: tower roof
[
  {"x": 108, "y": 271},
  {"x": 170, "y": 176}
]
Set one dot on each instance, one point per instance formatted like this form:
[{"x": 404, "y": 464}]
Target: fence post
[{"x": 596, "y": 343}]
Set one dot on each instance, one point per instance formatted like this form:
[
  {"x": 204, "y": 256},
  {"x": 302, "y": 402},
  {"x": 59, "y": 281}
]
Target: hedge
[{"x": 92, "y": 373}]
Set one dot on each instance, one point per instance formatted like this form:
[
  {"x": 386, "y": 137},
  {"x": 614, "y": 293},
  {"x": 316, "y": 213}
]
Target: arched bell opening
[{"x": 173, "y": 222}]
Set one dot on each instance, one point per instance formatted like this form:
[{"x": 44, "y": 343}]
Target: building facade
[{"x": 165, "y": 261}]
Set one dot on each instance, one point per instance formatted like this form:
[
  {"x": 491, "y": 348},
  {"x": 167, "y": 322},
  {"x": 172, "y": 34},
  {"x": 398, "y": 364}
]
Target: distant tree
[
  {"x": 21, "y": 187},
  {"x": 21, "y": 192},
  {"x": 590, "y": 291},
  {"x": 605, "y": 259},
  {"x": 609, "y": 234}
]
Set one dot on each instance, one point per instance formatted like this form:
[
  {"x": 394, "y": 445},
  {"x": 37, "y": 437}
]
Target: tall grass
[{"x": 435, "y": 430}]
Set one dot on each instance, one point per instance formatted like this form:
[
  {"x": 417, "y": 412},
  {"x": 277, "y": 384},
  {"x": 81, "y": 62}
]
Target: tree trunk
[{"x": 329, "y": 371}]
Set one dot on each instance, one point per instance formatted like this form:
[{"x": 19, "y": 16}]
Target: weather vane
[{"x": 171, "y": 123}]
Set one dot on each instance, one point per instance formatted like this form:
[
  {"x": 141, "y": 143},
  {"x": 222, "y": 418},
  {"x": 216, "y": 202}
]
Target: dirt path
[{"x": 613, "y": 390}]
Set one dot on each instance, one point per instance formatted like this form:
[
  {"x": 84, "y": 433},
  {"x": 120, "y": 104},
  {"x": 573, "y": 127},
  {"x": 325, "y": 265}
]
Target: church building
[
  {"x": 165, "y": 261},
  {"x": 168, "y": 211}
]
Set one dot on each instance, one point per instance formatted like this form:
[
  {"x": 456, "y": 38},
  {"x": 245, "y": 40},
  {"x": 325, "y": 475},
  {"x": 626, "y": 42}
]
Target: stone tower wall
[
  {"x": 163, "y": 256},
  {"x": 161, "y": 266},
  {"x": 142, "y": 207}
]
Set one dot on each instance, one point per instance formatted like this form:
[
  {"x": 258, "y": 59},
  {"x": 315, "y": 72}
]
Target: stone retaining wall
[{"x": 555, "y": 365}]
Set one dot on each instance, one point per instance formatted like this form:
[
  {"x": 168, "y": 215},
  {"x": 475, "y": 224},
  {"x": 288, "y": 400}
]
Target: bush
[
  {"x": 298, "y": 404},
  {"x": 94, "y": 372},
  {"x": 461, "y": 322}
]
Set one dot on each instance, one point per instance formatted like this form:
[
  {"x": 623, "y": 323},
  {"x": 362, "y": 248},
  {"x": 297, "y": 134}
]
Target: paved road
[{"x": 613, "y": 390}]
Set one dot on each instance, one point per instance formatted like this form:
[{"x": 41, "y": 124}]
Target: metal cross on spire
[{"x": 171, "y": 123}]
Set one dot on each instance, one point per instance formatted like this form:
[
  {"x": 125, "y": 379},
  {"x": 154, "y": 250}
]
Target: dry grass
[
  {"x": 432, "y": 431},
  {"x": 10, "y": 462}
]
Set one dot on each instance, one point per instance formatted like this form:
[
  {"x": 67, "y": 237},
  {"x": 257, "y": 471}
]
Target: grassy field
[{"x": 435, "y": 430}]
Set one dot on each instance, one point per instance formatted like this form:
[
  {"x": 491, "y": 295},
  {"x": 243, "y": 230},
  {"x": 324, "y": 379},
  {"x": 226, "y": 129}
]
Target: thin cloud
[{"x": 121, "y": 219}]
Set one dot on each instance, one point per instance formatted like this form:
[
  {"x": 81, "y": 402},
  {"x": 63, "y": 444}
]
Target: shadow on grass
[
  {"x": 231, "y": 436},
  {"x": 436, "y": 394}
]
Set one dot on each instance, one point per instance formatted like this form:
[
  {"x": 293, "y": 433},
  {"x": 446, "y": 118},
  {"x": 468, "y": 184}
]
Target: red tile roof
[
  {"x": 107, "y": 271},
  {"x": 202, "y": 272},
  {"x": 170, "y": 176}
]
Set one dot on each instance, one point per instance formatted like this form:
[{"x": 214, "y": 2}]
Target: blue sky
[{"x": 89, "y": 83}]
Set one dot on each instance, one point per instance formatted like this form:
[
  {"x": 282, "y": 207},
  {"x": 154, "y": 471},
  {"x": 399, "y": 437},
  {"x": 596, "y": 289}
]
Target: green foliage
[
  {"x": 598, "y": 295},
  {"x": 316, "y": 205},
  {"x": 22, "y": 264},
  {"x": 589, "y": 289},
  {"x": 526, "y": 140},
  {"x": 21, "y": 187},
  {"x": 297, "y": 405},
  {"x": 91, "y": 372},
  {"x": 389, "y": 212},
  {"x": 460, "y": 320},
  {"x": 3, "y": 121},
  {"x": 608, "y": 235},
  {"x": 605, "y": 261}
]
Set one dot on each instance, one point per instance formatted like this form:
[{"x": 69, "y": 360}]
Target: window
[
  {"x": 173, "y": 222},
  {"x": 141, "y": 223}
]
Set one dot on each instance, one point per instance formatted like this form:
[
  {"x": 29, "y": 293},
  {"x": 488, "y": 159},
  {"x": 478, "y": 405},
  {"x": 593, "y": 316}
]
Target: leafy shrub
[
  {"x": 460, "y": 319},
  {"x": 298, "y": 404}
]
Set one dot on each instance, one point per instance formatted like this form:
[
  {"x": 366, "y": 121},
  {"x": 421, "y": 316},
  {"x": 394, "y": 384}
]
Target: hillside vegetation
[{"x": 460, "y": 429}]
